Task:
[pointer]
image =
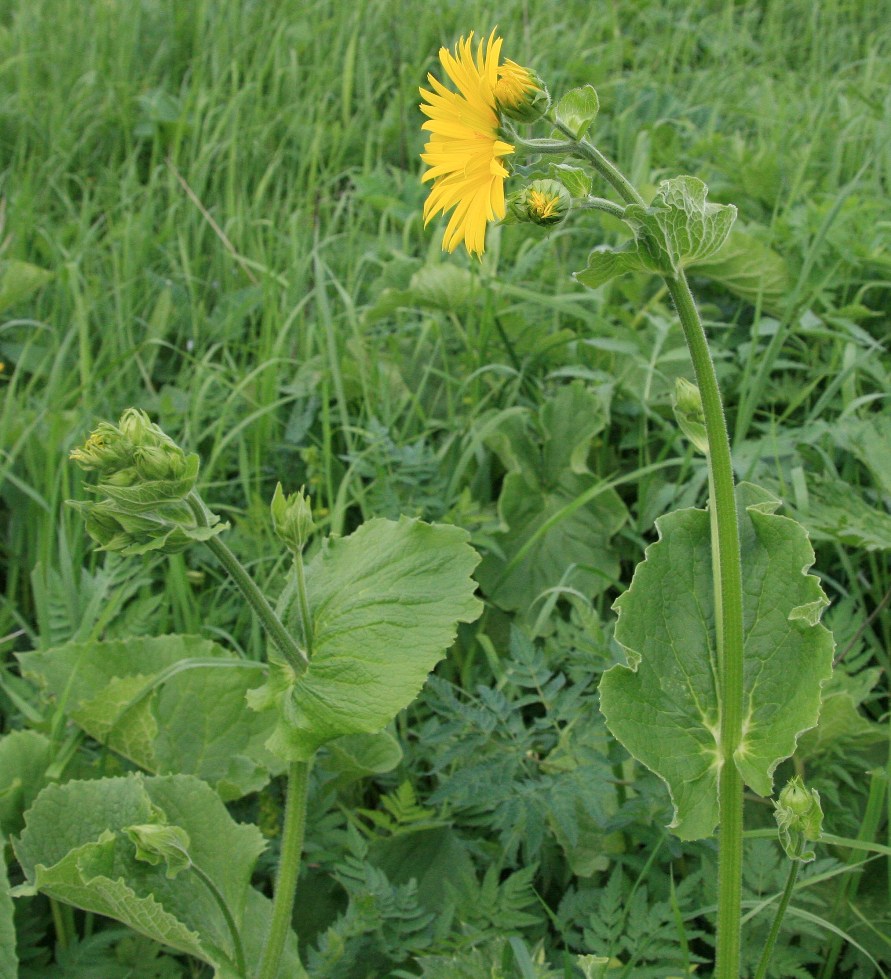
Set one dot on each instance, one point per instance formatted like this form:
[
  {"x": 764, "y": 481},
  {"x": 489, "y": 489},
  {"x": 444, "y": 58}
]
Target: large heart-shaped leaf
[
  {"x": 385, "y": 603},
  {"x": 663, "y": 706}
]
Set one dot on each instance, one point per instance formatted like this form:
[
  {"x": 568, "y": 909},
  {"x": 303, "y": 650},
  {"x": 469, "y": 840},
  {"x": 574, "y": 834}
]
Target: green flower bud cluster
[
  {"x": 799, "y": 818},
  {"x": 144, "y": 480},
  {"x": 543, "y": 202},
  {"x": 292, "y": 518}
]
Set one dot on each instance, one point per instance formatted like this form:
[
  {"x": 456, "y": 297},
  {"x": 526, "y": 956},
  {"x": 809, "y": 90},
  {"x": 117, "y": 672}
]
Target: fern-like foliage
[
  {"x": 383, "y": 925},
  {"x": 528, "y": 761},
  {"x": 497, "y": 906},
  {"x": 81, "y": 604},
  {"x": 399, "y": 813},
  {"x": 623, "y": 922},
  {"x": 499, "y": 958}
]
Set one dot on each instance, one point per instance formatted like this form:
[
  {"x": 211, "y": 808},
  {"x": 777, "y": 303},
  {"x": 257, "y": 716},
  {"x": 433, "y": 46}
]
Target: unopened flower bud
[
  {"x": 156, "y": 843},
  {"x": 520, "y": 94},
  {"x": 160, "y": 461},
  {"x": 292, "y": 518},
  {"x": 799, "y": 818},
  {"x": 104, "y": 451},
  {"x": 543, "y": 202},
  {"x": 689, "y": 414},
  {"x": 145, "y": 481},
  {"x": 134, "y": 425}
]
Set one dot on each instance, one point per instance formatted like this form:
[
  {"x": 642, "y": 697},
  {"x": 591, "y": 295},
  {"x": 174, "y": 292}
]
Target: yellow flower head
[{"x": 464, "y": 153}]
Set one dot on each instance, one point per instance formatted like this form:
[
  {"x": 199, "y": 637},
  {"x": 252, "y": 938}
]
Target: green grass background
[{"x": 222, "y": 191}]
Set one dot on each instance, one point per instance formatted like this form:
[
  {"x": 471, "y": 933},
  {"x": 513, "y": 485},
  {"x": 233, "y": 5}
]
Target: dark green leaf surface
[
  {"x": 558, "y": 516},
  {"x": 8, "y": 958},
  {"x": 24, "y": 756}
]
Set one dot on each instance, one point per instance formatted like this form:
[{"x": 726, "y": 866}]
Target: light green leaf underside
[
  {"x": 385, "y": 604},
  {"x": 678, "y": 229},
  {"x": 169, "y": 704},
  {"x": 75, "y": 849},
  {"x": 664, "y": 706}
]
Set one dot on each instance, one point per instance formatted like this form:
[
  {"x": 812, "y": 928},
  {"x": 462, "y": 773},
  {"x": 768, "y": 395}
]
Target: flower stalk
[
  {"x": 767, "y": 952},
  {"x": 727, "y": 573},
  {"x": 293, "y": 828},
  {"x": 279, "y": 635}
]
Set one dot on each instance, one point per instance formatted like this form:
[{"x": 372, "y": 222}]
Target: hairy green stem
[
  {"x": 728, "y": 578},
  {"x": 288, "y": 870},
  {"x": 727, "y": 572},
  {"x": 598, "y": 204},
  {"x": 303, "y": 598},
  {"x": 295, "y": 656},
  {"x": 795, "y": 866},
  {"x": 606, "y": 169}
]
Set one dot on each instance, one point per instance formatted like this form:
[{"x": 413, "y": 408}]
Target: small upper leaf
[
  {"x": 576, "y": 180},
  {"x": 680, "y": 227},
  {"x": 578, "y": 109},
  {"x": 605, "y": 263}
]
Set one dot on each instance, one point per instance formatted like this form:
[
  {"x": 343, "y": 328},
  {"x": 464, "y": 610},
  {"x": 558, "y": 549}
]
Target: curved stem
[
  {"x": 606, "y": 169},
  {"x": 764, "y": 961},
  {"x": 288, "y": 869},
  {"x": 227, "y": 915},
  {"x": 728, "y": 581},
  {"x": 599, "y": 204},
  {"x": 727, "y": 575},
  {"x": 295, "y": 656}
]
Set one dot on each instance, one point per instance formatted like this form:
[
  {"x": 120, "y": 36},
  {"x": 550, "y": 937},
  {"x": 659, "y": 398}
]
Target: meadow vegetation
[{"x": 212, "y": 212}]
